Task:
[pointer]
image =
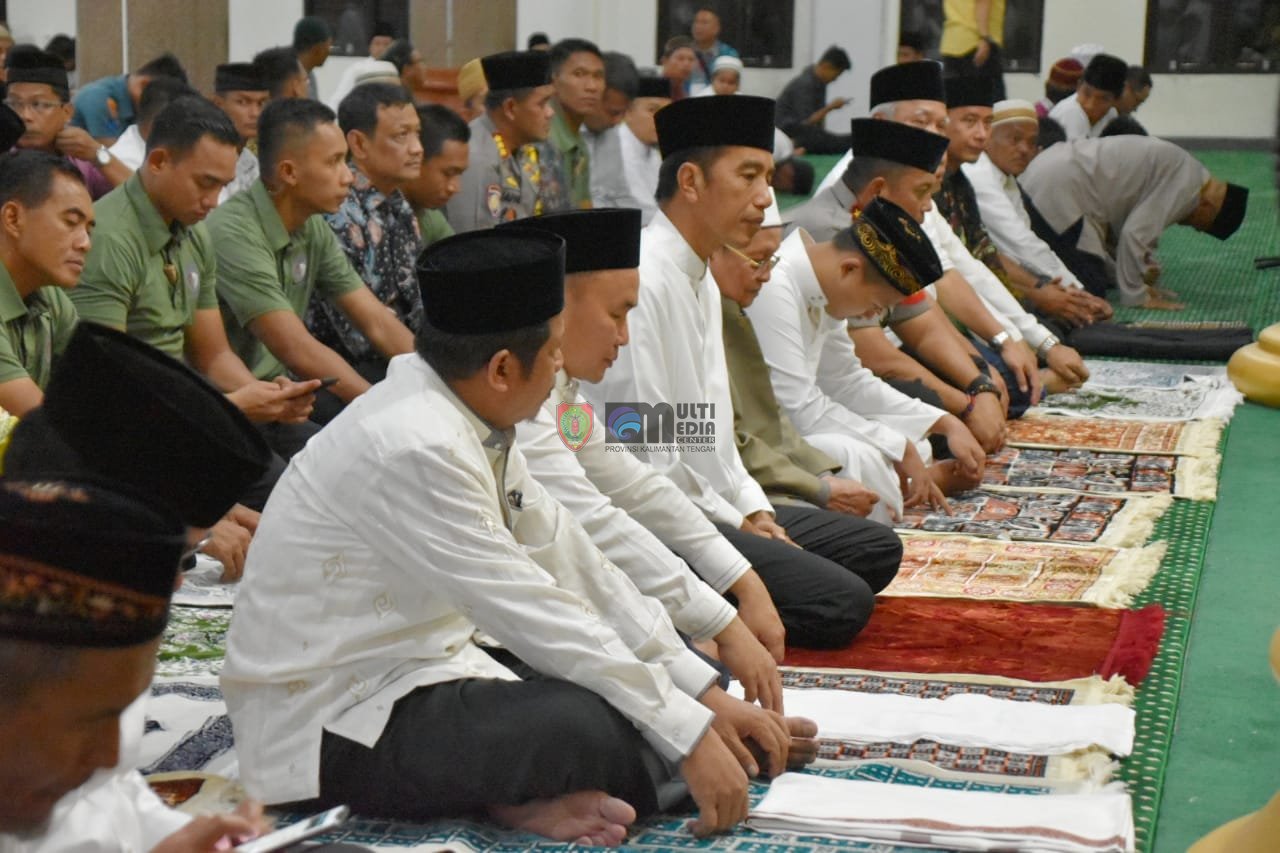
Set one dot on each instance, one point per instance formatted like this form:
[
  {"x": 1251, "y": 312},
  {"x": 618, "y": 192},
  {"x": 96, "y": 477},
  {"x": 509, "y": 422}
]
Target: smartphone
[
  {"x": 292, "y": 834},
  {"x": 327, "y": 382}
]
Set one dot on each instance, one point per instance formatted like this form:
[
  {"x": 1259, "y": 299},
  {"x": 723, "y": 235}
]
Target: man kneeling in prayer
[{"x": 354, "y": 672}]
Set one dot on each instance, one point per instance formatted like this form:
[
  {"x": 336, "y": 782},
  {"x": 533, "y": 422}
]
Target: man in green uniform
[
  {"x": 577, "y": 73},
  {"x": 46, "y": 215},
  {"x": 445, "y": 153},
  {"x": 275, "y": 251}
]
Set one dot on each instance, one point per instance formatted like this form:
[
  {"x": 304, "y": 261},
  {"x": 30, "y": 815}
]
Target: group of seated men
[{"x": 566, "y": 475}]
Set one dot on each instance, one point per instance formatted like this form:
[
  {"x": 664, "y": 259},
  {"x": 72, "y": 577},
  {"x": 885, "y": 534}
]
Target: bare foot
[
  {"x": 584, "y": 817},
  {"x": 1157, "y": 303},
  {"x": 950, "y": 477}
]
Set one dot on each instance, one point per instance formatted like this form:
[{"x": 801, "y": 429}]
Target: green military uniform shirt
[
  {"x": 774, "y": 453},
  {"x": 34, "y": 331},
  {"x": 265, "y": 269},
  {"x": 143, "y": 276},
  {"x": 577, "y": 161},
  {"x": 434, "y": 226}
]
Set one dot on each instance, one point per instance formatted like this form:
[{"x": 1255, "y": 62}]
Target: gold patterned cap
[{"x": 896, "y": 246}]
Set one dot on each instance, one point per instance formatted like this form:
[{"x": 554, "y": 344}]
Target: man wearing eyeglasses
[{"x": 38, "y": 92}]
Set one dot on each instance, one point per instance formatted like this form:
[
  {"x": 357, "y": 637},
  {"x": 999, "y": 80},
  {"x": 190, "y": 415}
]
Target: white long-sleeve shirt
[
  {"x": 817, "y": 377},
  {"x": 636, "y": 516},
  {"x": 608, "y": 176},
  {"x": 406, "y": 526},
  {"x": 676, "y": 356},
  {"x": 1006, "y": 219},
  {"x": 1071, "y": 116},
  {"x": 640, "y": 164}
]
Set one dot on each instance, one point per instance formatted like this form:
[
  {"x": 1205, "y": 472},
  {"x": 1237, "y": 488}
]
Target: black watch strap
[{"x": 982, "y": 385}]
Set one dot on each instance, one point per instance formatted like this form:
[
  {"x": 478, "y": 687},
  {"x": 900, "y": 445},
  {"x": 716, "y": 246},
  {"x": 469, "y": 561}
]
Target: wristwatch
[
  {"x": 1001, "y": 338},
  {"x": 103, "y": 156},
  {"x": 1047, "y": 344}
]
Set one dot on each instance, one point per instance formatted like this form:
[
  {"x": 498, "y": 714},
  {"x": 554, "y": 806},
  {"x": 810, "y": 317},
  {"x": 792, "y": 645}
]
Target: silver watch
[
  {"x": 1001, "y": 338},
  {"x": 103, "y": 156}
]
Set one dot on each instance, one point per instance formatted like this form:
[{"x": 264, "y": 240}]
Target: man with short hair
[
  {"x": 409, "y": 64},
  {"x": 445, "y": 154},
  {"x": 1137, "y": 88},
  {"x": 602, "y": 133},
  {"x": 282, "y": 72},
  {"x": 638, "y": 138},
  {"x": 240, "y": 92},
  {"x": 803, "y": 105},
  {"x": 278, "y": 256},
  {"x": 414, "y": 525},
  {"x": 312, "y": 40},
  {"x": 679, "y": 58},
  {"x": 911, "y": 46},
  {"x": 37, "y": 91},
  {"x": 707, "y": 46},
  {"x": 375, "y": 225},
  {"x": 152, "y": 270},
  {"x": 577, "y": 75},
  {"x": 48, "y": 218},
  {"x": 506, "y": 179},
  {"x": 131, "y": 147},
  {"x": 383, "y": 35},
  {"x": 713, "y": 190},
  {"x": 107, "y": 106},
  {"x": 1091, "y": 109}
]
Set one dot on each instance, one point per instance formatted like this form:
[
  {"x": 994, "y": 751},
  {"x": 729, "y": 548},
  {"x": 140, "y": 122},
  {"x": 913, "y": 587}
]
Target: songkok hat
[
  {"x": 83, "y": 564},
  {"x": 908, "y": 81},
  {"x": 517, "y": 69},
  {"x": 969, "y": 92},
  {"x": 12, "y": 127},
  {"x": 1013, "y": 110},
  {"x": 471, "y": 80},
  {"x": 772, "y": 213},
  {"x": 1082, "y": 53},
  {"x": 238, "y": 77},
  {"x": 714, "y": 121},
  {"x": 1107, "y": 72},
  {"x": 119, "y": 409},
  {"x": 898, "y": 143},
  {"x": 311, "y": 30},
  {"x": 481, "y": 282},
  {"x": 1065, "y": 73},
  {"x": 653, "y": 87},
  {"x": 1232, "y": 213},
  {"x": 376, "y": 71},
  {"x": 36, "y": 66},
  {"x": 726, "y": 63},
  {"x": 896, "y": 246},
  {"x": 600, "y": 239}
]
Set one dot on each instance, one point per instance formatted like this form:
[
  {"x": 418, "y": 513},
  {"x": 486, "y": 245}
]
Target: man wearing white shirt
[
  {"x": 411, "y": 524},
  {"x": 1088, "y": 112},
  {"x": 638, "y": 137},
  {"x": 131, "y": 147},
  {"x": 601, "y": 131},
  {"x": 713, "y": 191},
  {"x": 638, "y": 518}
]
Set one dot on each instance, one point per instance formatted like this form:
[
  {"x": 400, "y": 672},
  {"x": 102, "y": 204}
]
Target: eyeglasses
[
  {"x": 38, "y": 107},
  {"x": 757, "y": 266}
]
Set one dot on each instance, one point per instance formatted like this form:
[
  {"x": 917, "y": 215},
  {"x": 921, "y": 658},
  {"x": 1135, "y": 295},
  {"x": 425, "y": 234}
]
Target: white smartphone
[{"x": 296, "y": 832}]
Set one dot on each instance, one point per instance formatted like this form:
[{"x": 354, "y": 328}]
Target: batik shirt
[
  {"x": 380, "y": 236},
  {"x": 958, "y": 203}
]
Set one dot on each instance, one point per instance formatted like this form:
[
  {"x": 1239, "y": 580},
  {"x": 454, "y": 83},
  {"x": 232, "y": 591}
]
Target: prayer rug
[
  {"x": 194, "y": 641},
  {"x": 1033, "y": 517},
  {"x": 202, "y": 587},
  {"x": 1150, "y": 374},
  {"x": 1036, "y": 642},
  {"x": 1098, "y": 473},
  {"x": 1198, "y": 438},
  {"x": 1186, "y": 402},
  {"x": 965, "y": 567}
]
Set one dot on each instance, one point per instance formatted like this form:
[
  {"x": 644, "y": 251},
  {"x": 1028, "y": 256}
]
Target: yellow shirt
[{"x": 960, "y": 34}]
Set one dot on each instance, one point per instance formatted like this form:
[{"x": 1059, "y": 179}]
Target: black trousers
[
  {"x": 455, "y": 748},
  {"x": 816, "y": 139},
  {"x": 825, "y": 589},
  {"x": 329, "y": 405},
  {"x": 284, "y": 440},
  {"x": 963, "y": 66}
]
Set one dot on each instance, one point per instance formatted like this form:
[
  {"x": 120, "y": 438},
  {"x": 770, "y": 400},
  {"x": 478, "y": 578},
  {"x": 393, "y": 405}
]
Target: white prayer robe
[
  {"x": 1128, "y": 189},
  {"x": 637, "y": 517},
  {"x": 1006, "y": 219},
  {"x": 676, "y": 356},
  {"x": 407, "y": 525},
  {"x": 608, "y": 177},
  {"x": 130, "y": 148},
  {"x": 640, "y": 164},
  {"x": 1071, "y": 116},
  {"x": 839, "y": 406}
]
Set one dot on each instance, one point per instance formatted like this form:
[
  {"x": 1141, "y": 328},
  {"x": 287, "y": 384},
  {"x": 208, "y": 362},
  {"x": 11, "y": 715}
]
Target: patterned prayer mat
[
  {"x": 1150, "y": 374},
  {"x": 1097, "y": 473},
  {"x": 1036, "y": 642},
  {"x": 1199, "y": 438},
  {"x": 1117, "y": 521},
  {"x": 1185, "y": 402},
  {"x": 965, "y": 567},
  {"x": 194, "y": 641}
]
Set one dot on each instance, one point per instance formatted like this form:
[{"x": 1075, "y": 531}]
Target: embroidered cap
[
  {"x": 36, "y": 66},
  {"x": 122, "y": 410},
  {"x": 84, "y": 564},
  {"x": 517, "y": 69},
  {"x": 238, "y": 77},
  {"x": 714, "y": 121},
  {"x": 653, "y": 87},
  {"x": 896, "y": 246},
  {"x": 898, "y": 143},
  {"x": 969, "y": 92},
  {"x": 908, "y": 81},
  {"x": 1107, "y": 72},
  {"x": 498, "y": 280},
  {"x": 1013, "y": 109},
  {"x": 1066, "y": 73},
  {"x": 599, "y": 239}
]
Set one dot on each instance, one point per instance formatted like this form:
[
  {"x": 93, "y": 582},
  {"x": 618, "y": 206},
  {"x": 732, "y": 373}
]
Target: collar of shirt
[
  {"x": 495, "y": 441},
  {"x": 272, "y": 225},
  {"x": 796, "y": 257},
  {"x": 371, "y": 199},
  {"x": 156, "y": 234},
  {"x": 564, "y": 137},
  {"x": 844, "y": 196},
  {"x": 671, "y": 243},
  {"x": 12, "y": 305}
]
